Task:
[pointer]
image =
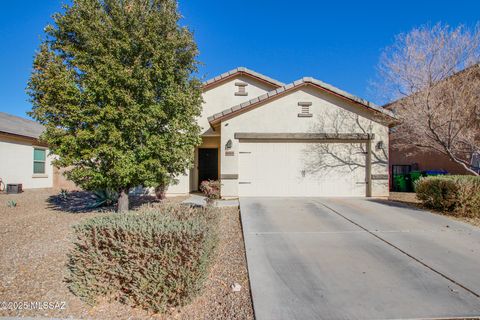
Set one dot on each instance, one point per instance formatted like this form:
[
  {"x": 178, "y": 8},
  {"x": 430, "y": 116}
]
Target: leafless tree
[
  {"x": 320, "y": 157},
  {"x": 435, "y": 75}
]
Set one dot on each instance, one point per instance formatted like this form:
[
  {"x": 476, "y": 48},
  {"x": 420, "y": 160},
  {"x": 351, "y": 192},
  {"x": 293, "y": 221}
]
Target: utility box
[{"x": 14, "y": 188}]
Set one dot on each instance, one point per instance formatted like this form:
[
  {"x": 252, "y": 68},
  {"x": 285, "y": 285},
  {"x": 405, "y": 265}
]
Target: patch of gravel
[
  {"x": 407, "y": 197},
  {"x": 218, "y": 300},
  {"x": 411, "y": 199},
  {"x": 36, "y": 236}
]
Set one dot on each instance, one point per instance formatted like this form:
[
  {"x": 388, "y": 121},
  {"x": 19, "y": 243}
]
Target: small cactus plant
[
  {"x": 63, "y": 194},
  {"x": 11, "y": 203}
]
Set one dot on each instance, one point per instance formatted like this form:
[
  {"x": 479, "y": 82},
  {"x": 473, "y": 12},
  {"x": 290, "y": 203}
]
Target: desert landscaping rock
[
  {"x": 36, "y": 236},
  {"x": 236, "y": 287}
]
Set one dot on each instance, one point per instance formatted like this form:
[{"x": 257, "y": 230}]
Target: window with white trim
[{"x": 39, "y": 159}]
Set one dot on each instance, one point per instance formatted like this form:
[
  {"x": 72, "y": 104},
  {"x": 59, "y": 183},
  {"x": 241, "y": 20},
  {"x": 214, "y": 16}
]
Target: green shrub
[
  {"x": 460, "y": 194},
  {"x": 153, "y": 260}
]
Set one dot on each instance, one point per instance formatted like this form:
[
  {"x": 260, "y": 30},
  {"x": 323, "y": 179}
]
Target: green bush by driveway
[
  {"x": 153, "y": 260},
  {"x": 458, "y": 194}
]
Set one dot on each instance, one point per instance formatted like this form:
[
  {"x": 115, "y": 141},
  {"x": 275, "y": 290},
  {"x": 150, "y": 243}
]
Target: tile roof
[
  {"x": 242, "y": 70},
  {"x": 301, "y": 82},
  {"x": 20, "y": 126}
]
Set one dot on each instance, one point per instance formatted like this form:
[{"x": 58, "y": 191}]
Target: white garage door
[{"x": 291, "y": 169}]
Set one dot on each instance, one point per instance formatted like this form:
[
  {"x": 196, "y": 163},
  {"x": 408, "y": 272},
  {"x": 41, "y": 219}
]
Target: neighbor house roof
[
  {"x": 233, "y": 111},
  {"x": 392, "y": 104},
  {"x": 241, "y": 71},
  {"x": 20, "y": 126}
]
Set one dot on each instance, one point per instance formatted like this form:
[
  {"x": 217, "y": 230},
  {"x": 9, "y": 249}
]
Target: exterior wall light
[
  {"x": 379, "y": 145},
  {"x": 228, "y": 145}
]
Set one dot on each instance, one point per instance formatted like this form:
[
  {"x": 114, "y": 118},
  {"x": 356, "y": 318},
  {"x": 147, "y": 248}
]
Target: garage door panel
[{"x": 282, "y": 169}]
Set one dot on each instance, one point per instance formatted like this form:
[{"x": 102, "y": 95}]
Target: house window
[
  {"x": 39, "y": 158},
  {"x": 304, "y": 109},
  {"x": 241, "y": 89}
]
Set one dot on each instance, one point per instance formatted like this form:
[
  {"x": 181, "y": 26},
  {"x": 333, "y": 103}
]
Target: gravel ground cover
[
  {"x": 35, "y": 238},
  {"x": 407, "y": 197}
]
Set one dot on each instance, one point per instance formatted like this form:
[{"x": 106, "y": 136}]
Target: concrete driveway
[{"x": 338, "y": 258}]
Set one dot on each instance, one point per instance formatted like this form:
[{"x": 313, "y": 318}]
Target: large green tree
[{"x": 113, "y": 84}]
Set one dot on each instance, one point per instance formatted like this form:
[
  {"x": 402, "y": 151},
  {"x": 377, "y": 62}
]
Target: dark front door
[{"x": 207, "y": 165}]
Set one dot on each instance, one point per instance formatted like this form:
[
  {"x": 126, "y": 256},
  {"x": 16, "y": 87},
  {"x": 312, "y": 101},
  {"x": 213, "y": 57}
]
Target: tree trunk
[
  {"x": 123, "y": 201},
  {"x": 160, "y": 192}
]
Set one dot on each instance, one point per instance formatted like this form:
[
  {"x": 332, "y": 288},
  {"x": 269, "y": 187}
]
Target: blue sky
[{"x": 338, "y": 42}]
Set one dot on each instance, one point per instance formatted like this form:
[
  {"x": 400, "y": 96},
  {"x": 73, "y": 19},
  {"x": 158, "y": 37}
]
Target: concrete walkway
[
  {"x": 316, "y": 258},
  {"x": 201, "y": 201}
]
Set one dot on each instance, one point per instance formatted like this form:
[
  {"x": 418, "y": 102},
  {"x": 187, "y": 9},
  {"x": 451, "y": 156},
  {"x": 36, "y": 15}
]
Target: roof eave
[
  {"x": 279, "y": 92},
  {"x": 17, "y": 135}
]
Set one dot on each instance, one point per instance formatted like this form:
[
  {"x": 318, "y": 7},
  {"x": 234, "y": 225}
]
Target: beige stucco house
[
  {"x": 260, "y": 137},
  {"x": 307, "y": 138},
  {"x": 24, "y": 160}
]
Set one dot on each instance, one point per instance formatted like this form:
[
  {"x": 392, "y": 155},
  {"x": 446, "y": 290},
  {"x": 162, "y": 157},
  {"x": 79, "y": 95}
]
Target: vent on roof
[
  {"x": 304, "y": 109},
  {"x": 241, "y": 89}
]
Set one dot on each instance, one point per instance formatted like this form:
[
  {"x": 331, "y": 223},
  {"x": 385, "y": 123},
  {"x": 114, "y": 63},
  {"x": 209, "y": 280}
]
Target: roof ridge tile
[{"x": 243, "y": 70}]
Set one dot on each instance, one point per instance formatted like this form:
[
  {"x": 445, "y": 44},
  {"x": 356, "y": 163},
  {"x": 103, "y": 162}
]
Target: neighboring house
[
  {"x": 405, "y": 161},
  {"x": 264, "y": 138},
  {"x": 24, "y": 159},
  {"x": 417, "y": 159}
]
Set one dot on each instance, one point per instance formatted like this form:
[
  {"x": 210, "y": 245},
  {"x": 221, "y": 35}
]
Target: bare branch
[
  {"x": 437, "y": 70},
  {"x": 320, "y": 157}
]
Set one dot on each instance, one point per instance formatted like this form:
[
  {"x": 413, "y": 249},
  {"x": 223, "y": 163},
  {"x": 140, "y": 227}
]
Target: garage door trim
[
  {"x": 317, "y": 137},
  {"x": 344, "y": 137}
]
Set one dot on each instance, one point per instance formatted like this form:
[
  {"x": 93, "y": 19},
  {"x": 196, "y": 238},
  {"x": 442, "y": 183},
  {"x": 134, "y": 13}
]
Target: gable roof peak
[
  {"x": 242, "y": 71},
  {"x": 292, "y": 86}
]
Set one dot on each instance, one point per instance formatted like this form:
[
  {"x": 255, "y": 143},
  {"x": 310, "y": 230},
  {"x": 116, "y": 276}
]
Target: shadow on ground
[
  {"x": 397, "y": 204},
  {"x": 83, "y": 201}
]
